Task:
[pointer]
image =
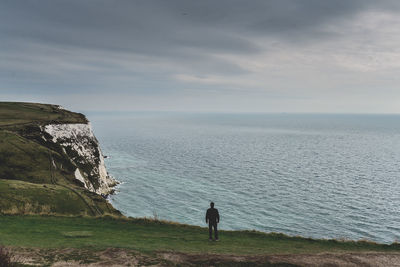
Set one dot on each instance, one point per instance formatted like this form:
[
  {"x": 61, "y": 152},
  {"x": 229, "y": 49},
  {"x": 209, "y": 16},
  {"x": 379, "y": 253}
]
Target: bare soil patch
[{"x": 126, "y": 257}]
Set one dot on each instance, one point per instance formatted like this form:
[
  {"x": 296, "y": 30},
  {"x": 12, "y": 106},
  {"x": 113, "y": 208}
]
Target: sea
[{"x": 313, "y": 175}]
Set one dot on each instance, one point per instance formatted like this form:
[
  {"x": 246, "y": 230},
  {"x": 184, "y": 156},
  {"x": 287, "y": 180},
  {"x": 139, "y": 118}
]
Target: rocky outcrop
[{"x": 78, "y": 143}]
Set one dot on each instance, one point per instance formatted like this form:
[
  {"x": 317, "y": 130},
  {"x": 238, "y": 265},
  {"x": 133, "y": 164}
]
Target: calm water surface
[{"x": 323, "y": 176}]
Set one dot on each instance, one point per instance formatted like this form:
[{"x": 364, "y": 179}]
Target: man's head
[{"x": 212, "y": 204}]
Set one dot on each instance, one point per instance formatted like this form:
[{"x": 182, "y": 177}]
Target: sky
[{"x": 339, "y": 56}]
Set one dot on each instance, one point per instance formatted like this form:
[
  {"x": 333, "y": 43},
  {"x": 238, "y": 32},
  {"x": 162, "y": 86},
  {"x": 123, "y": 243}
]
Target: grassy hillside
[
  {"x": 24, "y": 159},
  {"x": 18, "y": 197},
  {"x": 19, "y": 113},
  {"x": 36, "y": 176}
]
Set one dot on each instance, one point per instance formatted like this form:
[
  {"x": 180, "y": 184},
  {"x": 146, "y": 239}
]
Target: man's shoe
[
  {"x": 217, "y": 239},
  {"x": 210, "y": 239}
]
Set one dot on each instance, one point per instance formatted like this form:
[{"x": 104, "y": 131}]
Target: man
[{"x": 212, "y": 218}]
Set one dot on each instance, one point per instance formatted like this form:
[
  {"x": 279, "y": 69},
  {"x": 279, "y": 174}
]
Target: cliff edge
[{"x": 46, "y": 145}]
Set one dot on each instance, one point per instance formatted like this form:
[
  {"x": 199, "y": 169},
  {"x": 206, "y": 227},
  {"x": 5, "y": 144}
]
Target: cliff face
[
  {"x": 50, "y": 162},
  {"x": 78, "y": 143},
  {"x": 66, "y": 140}
]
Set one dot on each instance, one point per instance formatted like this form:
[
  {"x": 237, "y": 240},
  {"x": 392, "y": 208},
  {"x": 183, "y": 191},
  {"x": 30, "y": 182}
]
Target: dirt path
[
  {"x": 323, "y": 259},
  {"x": 125, "y": 257}
]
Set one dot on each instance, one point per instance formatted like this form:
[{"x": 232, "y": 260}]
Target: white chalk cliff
[{"x": 78, "y": 142}]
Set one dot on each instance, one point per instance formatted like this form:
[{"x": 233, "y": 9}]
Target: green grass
[
  {"x": 78, "y": 234},
  {"x": 23, "y": 159},
  {"x": 149, "y": 236},
  {"x": 16, "y": 113},
  {"x": 18, "y": 197}
]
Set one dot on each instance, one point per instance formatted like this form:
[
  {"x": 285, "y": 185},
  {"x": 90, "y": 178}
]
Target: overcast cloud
[{"x": 236, "y": 55}]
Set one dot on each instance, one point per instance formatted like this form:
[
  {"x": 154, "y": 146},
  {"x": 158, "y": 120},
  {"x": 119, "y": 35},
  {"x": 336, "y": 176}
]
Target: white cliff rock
[{"x": 81, "y": 146}]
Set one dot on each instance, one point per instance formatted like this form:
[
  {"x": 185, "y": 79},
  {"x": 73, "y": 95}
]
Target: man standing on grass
[{"x": 212, "y": 218}]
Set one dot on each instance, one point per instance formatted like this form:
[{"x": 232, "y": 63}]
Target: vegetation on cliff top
[{"x": 14, "y": 114}]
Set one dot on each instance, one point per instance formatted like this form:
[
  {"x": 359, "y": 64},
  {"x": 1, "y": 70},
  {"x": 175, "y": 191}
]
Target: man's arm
[
  {"x": 217, "y": 216},
  {"x": 207, "y": 215}
]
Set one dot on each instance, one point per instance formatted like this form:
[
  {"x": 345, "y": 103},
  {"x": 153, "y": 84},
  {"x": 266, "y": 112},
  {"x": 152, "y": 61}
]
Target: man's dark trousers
[{"x": 210, "y": 226}]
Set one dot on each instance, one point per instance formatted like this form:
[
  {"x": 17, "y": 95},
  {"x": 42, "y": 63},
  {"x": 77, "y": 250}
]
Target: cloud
[{"x": 202, "y": 50}]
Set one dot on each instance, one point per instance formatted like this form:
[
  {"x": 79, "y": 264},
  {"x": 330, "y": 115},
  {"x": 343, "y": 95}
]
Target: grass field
[{"x": 149, "y": 236}]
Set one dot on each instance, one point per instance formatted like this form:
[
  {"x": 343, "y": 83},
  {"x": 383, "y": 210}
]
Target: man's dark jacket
[{"x": 212, "y": 216}]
